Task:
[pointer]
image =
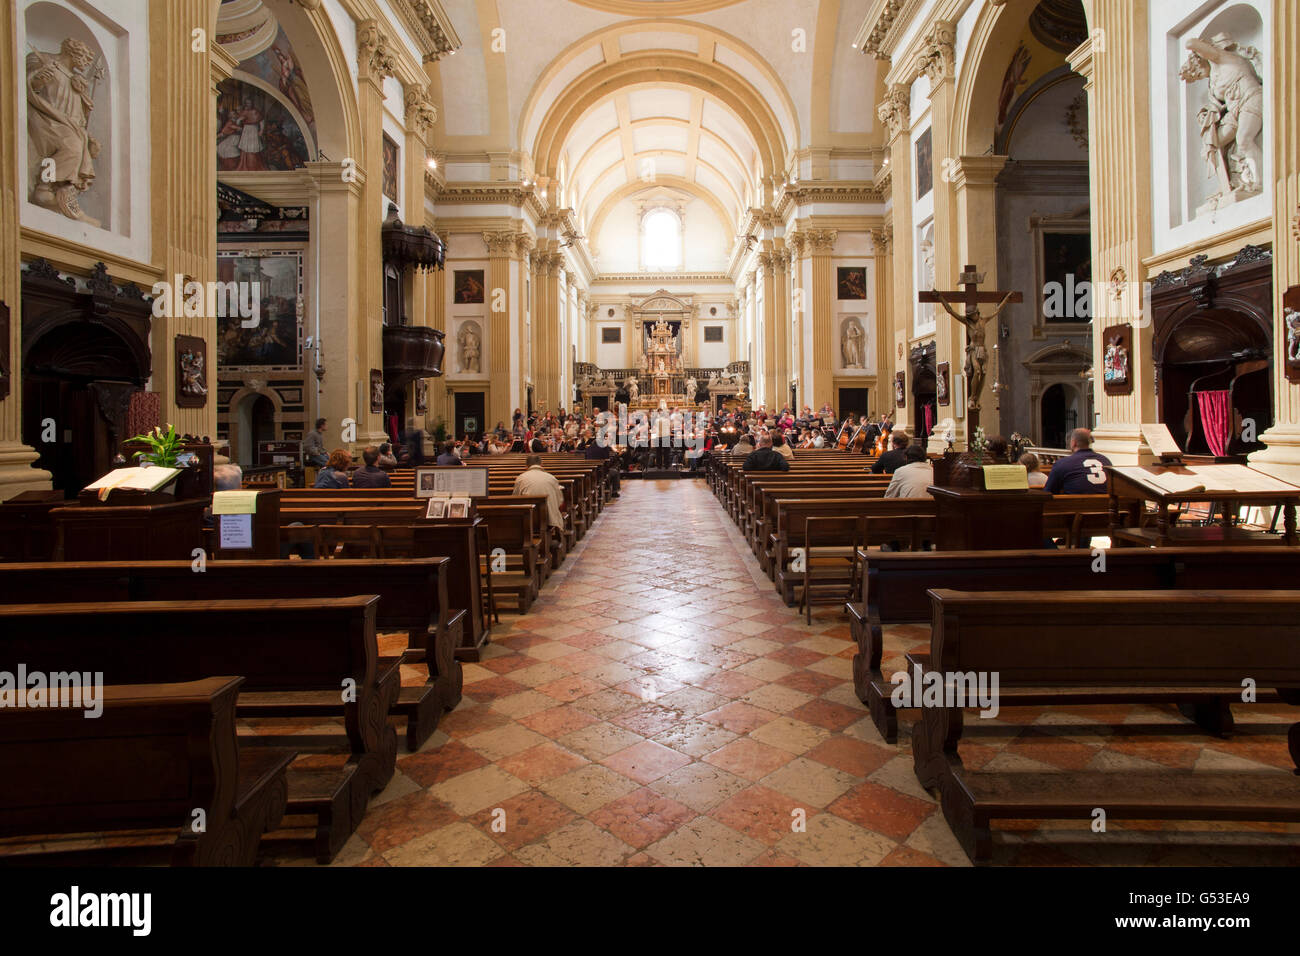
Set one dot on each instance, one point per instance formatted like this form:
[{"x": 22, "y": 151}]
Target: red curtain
[
  {"x": 1216, "y": 419},
  {"x": 929, "y": 419}
]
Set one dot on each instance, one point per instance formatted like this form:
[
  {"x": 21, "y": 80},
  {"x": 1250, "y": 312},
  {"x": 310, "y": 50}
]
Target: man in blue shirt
[{"x": 1083, "y": 472}]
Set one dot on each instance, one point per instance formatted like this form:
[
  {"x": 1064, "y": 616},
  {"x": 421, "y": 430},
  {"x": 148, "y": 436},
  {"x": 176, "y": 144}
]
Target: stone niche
[
  {"x": 85, "y": 149},
  {"x": 1211, "y": 102}
]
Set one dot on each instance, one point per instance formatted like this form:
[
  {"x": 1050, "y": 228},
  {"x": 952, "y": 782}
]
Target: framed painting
[
  {"x": 391, "y": 154},
  {"x": 851, "y": 282},
  {"x": 943, "y": 383},
  {"x": 1067, "y": 265},
  {"x": 191, "y": 371},
  {"x": 272, "y": 339},
  {"x": 611, "y": 335},
  {"x": 5, "y": 373},
  {"x": 468, "y": 286},
  {"x": 1291, "y": 322},
  {"x": 376, "y": 391},
  {"x": 900, "y": 390},
  {"x": 924, "y": 163}
]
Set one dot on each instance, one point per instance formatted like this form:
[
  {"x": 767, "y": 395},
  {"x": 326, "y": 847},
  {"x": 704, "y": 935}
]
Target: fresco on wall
[{"x": 255, "y": 133}]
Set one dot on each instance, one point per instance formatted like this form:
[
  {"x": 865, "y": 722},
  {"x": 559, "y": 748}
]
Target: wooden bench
[
  {"x": 412, "y": 598},
  {"x": 1132, "y": 643},
  {"x": 894, "y": 590},
  {"x": 300, "y": 657},
  {"x": 157, "y": 755}
]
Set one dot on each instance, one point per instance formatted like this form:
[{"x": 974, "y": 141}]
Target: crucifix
[{"x": 976, "y": 354}]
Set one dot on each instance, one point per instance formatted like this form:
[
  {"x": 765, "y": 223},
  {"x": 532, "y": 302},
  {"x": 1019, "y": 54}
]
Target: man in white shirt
[
  {"x": 535, "y": 481},
  {"x": 913, "y": 478}
]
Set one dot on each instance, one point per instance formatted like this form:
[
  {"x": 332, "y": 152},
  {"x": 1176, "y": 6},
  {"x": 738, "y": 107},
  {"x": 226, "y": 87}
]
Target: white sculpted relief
[
  {"x": 853, "y": 344},
  {"x": 60, "y": 96},
  {"x": 1232, "y": 119},
  {"x": 471, "y": 346}
]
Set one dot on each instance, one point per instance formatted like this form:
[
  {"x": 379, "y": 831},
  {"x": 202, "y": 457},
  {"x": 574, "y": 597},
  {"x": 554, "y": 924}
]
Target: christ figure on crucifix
[{"x": 976, "y": 353}]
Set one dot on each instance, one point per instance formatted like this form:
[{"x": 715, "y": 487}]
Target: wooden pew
[
  {"x": 300, "y": 657},
  {"x": 412, "y": 598},
  {"x": 1129, "y": 642},
  {"x": 155, "y": 755},
  {"x": 894, "y": 589}
]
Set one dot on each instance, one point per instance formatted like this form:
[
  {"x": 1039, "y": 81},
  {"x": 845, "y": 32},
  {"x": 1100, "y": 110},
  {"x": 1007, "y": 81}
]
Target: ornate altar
[{"x": 661, "y": 367}]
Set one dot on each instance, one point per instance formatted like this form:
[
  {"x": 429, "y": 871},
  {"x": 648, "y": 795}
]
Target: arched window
[{"x": 661, "y": 241}]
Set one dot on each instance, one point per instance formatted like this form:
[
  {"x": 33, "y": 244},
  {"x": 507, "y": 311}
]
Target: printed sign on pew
[{"x": 1006, "y": 478}]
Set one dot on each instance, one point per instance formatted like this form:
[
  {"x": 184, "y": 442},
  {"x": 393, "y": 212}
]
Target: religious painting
[
  {"x": 273, "y": 337},
  {"x": 713, "y": 333},
  {"x": 468, "y": 287},
  {"x": 924, "y": 163},
  {"x": 611, "y": 335},
  {"x": 376, "y": 391},
  {"x": 421, "y": 396},
  {"x": 942, "y": 383},
  {"x": 437, "y": 506},
  {"x": 390, "y": 168},
  {"x": 256, "y": 132},
  {"x": 278, "y": 66},
  {"x": 1117, "y": 351},
  {"x": 1012, "y": 80},
  {"x": 191, "y": 372},
  {"x": 5, "y": 376},
  {"x": 1067, "y": 264},
  {"x": 851, "y": 282},
  {"x": 1291, "y": 321},
  {"x": 900, "y": 389}
]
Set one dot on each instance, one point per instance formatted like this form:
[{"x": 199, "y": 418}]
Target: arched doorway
[
  {"x": 256, "y": 421},
  {"x": 78, "y": 379},
  {"x": 1057, "y": 417}
]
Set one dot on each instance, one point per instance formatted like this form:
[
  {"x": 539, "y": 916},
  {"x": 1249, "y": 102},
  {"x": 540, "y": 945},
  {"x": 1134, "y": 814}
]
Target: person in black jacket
[
  {"x": 893, "y": 459},
  {"x": 764, "y": 458},
  {"x": 370, "y": 475}
]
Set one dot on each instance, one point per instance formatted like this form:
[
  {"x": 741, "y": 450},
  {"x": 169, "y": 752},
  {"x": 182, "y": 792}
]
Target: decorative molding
[
  {"x": 886, "y": 22},
  {"x": 500, "y": 244},
  {"x": 374, "y": 59},
  {"x": 822, "y": 241},
  {"x": 661, "y": 276},
  {"x": 882, "y": 238}
]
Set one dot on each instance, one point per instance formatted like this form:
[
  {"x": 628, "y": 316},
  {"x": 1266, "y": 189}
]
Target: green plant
[
  {"x": 439, "y": 430},
  {"x": 979, "y": 445},
  {"x": 164, "y": 448}
]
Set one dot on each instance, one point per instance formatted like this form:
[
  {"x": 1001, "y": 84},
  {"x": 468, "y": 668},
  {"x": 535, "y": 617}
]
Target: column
[
  {"x": 421, "y": 114},
  {"x": 895, "y": 113},
  {"x": 771, "y": 382},
  {"x": 821, "y": 243},
  {"x": 500, "y": 343},
  {"x": 1282, "y": 457},
  {"x": 16, "y": 471},
  {"x": 1119, "y": 156},
  {"x": 375, "y": 62},
  {"x": 881, "y": 398}
]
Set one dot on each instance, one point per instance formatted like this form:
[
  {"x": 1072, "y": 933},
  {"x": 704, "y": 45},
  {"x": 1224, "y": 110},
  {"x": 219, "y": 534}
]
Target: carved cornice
[
  {"x": 374, "y": 58},
  {"x": 429, "y": 27},
  {"x": 806, "y": 193},
  {"x": 509, "y": 194},
  {"x": 608, "y": 277},
  {"x": 895, "y": 111},
  {"x": 421, "y": 114},
  {"x": 886, "y": 22}
]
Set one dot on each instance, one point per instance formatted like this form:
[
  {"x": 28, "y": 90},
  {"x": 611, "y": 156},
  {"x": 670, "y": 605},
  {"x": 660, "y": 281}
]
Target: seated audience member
[
  {"x": 335, "y": 473},
  {"x": 743, "y": 448},
  {"x": 914, "y": 478},
  {"x": 369, "y": 475},
  {"x": 535, "y": 480},
  {"x": 892, "y": 460},
  {"x": 413, "y": 440},
  {"x": 999, "y": 450},
  {"x": 449, "y": 456},
  {"x": 227, "y": 478},
  {"x": 1083, "y": 472},
  {"x": 1036, "y": 477},
  {"x": 764, "y": 458},
  {"x": 387, "y": 460},
  {"x": 782, "y": 447},
  {"x": 599, "y": 450}
]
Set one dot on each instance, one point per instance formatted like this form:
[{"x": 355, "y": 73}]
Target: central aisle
[{"x": 658, "y": 705}]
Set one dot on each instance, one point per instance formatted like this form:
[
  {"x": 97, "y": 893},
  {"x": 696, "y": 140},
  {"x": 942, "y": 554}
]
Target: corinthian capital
[
  {"x": 374, "y": 59},
  {"x": 822, "y": 241},
  {"x": 882, "y": 237},
  {"x": 938, "y": 58},
  {"x": 421, "y": 114},
  {"x": 499, "y": 244},
  {"x": 895, "y": 110}
]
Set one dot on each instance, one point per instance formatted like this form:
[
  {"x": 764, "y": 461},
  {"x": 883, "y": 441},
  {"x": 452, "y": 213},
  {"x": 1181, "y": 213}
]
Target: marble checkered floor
[{"x": 659, "y": 705}]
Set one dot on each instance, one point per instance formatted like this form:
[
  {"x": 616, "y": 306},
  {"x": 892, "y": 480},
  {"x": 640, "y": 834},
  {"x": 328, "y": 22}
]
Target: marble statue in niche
[
  {"x": 60, "y": 96},
  {"x": 471, "y": 345},
  {"x": 1232, "y": 119},
  {"x": 852, "y": 339}
]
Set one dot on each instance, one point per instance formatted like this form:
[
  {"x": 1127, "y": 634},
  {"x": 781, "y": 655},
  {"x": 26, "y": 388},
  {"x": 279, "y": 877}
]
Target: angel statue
[
  {"x": 692, "y": 387},
  {"x": 633, "y": 390}
]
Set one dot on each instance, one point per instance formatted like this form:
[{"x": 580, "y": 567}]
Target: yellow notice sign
[
  {"x": 234, "y": 502},
  {"x": 1006, "y": 478}
]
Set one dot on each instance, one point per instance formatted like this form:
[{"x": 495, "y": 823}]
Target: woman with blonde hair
[{"x": 1036, "y": 478}]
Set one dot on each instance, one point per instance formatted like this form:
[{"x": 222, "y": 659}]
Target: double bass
[
  {"x": 842, "y": 439},
  {"x": 859, "y": 440}
]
